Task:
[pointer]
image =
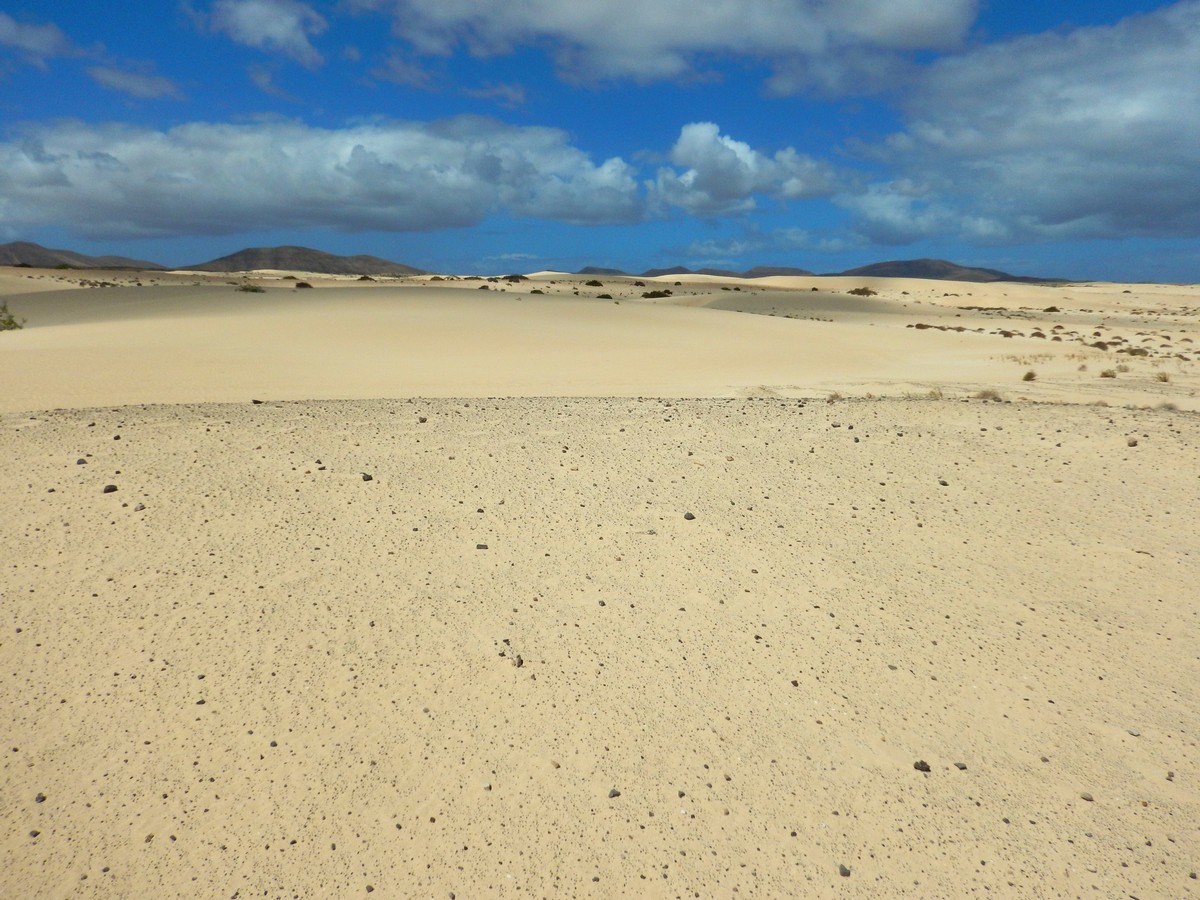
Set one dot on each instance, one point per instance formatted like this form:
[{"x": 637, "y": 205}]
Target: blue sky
[{"x": 475, "y": 136}]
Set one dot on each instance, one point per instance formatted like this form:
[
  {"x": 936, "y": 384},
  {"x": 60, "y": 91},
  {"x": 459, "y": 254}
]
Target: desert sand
[{"x": 416, "y": 589}]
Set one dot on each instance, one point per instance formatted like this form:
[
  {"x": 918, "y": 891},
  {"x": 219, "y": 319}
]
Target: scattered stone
[
  {"x": 943, "y": 482},
  {"x": 481, "y": 546},
  {"x": 34, "y": 833},
  {"x": 81, "y": 462},
  {"x": 1134, "y": 732},
  {"x": 367, "y": 477},
  {"x": 613, "y": 793},
  {"x": 1131, "y": 442},
  {"x": 844, "y": 871},
  {"x": 921, "y": 766},
  {"x": 109, "y": 488},
  {"x": 689, "y": 516},
  {"x": 488, "y": 786},
  {"x": 962, "y": 767},
  {"x": 40, "y": 798},
  {"x": 422, "y": 419},
  {"x": 256, "y": 402},
  {"x": 1086, "y": 796},
  {"x": 139, "y": 507}
]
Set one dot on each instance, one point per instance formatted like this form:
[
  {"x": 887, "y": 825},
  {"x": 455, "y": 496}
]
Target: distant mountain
[
  {"x": 756, "y": 272},
  {"x": 937, "y": 269},
  {"x": 303, "y": 259},
  {"x": 674, "y": 270},
  {"x": 768, "y": 271},
  {"x": 599, "y": 270},
  {"x": 24, "y": 253}
]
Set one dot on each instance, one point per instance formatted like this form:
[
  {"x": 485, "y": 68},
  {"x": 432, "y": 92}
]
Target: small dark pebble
[
  {"x": 962, "y": 767},
  {"x": 256, "y": 402},
  {"x": 921, "y": 766},
  {"x": 689, "y": 516},
  {"x": 367, "y": 477},
  {"x": 81, "y": 462},
  {"x": 481, "y": 546},
  {"x": 109, "y": 488},
  {"x": 613, "y": 793},
  {"x": 199, "y": 702},
  {"x": 943, "y": 482},
  {"x": 844, "y": 871},
  {"x": 370, "y": 888},
  {"x": 1086, "y": 796},
  {"x": 34, "y": 833},
  {"x": 139, "y": 507},
  {"x": 40, "y": 798}
]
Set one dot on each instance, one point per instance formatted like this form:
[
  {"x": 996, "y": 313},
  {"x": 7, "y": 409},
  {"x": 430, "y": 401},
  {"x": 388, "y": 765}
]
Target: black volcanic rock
[
  {"x": 24, "y": 253},
  {"x": 303, "y": 259}
]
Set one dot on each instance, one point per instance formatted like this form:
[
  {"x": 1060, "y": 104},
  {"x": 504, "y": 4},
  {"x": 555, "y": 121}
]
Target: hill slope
[
  {"x": 25, "y": 253},
  {"x": 303, "y": 259}
]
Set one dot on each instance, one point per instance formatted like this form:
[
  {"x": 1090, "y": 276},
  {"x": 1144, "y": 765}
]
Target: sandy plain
[{"x": 641, "y": 598}]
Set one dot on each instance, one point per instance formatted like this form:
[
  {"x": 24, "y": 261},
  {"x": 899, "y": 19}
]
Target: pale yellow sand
[
  {"x": 412, "y": 337},
  {"x": 277, "y": 678}
]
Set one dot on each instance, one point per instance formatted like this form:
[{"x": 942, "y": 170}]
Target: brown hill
[
  {"x": 25, "y": 253},
  {"x": 303, "y": 259}
]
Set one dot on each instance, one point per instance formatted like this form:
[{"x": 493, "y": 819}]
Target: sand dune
[
  {"x": 415, "y": 338},
  {"x": 625, "y": 606}
]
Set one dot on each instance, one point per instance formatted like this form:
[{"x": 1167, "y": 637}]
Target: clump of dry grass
[
  {"x": 1162, "y": 376},
  {"x": 987, "y": 394},
  {"x": 1109, "y": 373},
  {"x": 1029, "y": 376}
]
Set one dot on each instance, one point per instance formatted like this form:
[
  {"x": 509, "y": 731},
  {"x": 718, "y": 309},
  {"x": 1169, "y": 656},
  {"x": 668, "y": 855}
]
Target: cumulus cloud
[
  {"x": 1089, "y": 133},
  {"x": 278, "y": 26},
  {"x": 648, "y": 39},
  {"x": 35, "y": 43},
  {"x": 118, "y": 181},
  {"x": 722, "y": 175},
  {"x": 143, "y": 85}
]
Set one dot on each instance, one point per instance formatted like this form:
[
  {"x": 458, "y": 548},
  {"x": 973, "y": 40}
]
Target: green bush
[{"x": 9, "y": 322}]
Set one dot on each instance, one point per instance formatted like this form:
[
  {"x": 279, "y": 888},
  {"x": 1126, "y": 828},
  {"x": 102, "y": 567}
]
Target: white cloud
[
  {"x": 648, "y": 39},
  {"x": 36, "y": 42},
  {"x": 279, "y": 26},
  {"x": 510, "y": 96},
  {"x": 1090, "y": 133},
  {"x": 117, "y": 181},
  {"x": 722, "y": 175},
  {"x": 142, "y": 85}
]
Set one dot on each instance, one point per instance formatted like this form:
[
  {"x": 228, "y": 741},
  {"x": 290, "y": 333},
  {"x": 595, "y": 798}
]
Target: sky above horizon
[{"x": 472, "y": 136}]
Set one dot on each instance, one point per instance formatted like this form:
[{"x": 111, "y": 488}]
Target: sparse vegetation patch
[{"x": 9, "y": 322}]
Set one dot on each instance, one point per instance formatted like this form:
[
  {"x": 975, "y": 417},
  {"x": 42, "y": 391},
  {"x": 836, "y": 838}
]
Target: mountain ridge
[
  {"x": 303, "y": 259},
  {"x": 26, "y": 253}
]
